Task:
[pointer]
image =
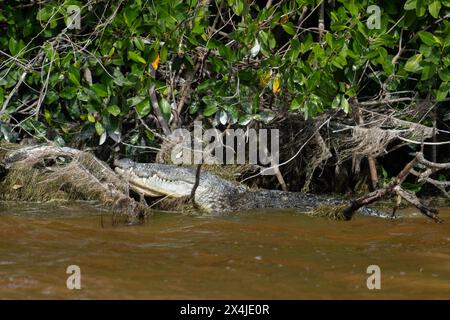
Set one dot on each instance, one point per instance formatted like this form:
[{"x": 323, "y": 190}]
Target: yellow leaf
[
  {"x": 48, "y": 116},
  {"x": 284, "y": 19},
  {"x": 155, "y": 62},
  {"x": 276, "y": 85},
  {"x": 265, "y": 78}
]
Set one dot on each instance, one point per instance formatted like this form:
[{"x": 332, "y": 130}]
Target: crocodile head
[{"x": 156, "y": 180}]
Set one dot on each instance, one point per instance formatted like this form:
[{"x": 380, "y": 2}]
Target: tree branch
[{"x": 155, "y": 105}]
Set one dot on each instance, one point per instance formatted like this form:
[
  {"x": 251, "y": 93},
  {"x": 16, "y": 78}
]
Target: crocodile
[{"x": 214, "y": 194}]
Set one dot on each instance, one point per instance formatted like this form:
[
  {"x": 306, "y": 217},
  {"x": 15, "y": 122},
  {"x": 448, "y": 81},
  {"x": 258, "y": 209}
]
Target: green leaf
[
  {"x": 329, "y": 39},
  {"x": 48, "y": 116},
  {"x": 163, "y": 54},
  {"x": 444, "y": 74},
  {"x": 434, "y": 8},
  {"x": 205, "y": 85},
  {"x": 438, "y": 40},
  {"x": 428, "y": 71},
  {"x": 193, "y": 107},
  {"x": 410, "y": 5},
  {"x": 131, "y": 102},
  {"x": 245, "y": 119},
  {"x": 118, "y": 78},
  {"x": 421, "y": 8},
  {"x": 100, "y": 90},
  {"x": 237, "y": 6},
  {"x": 345, "y": 106},
  {"x": 289, "y": 28},
  {"x": 425, "y": 50},
  {"x": 73, "y": 74},
  {"x": 143, "y": 108},
  {"x": 264, "y": 116},
  {"x": 226, "y": 52},
  {"x": 223, "y": 117},
  {"x": 210, "y": 110},
  {"x": 442, "y": 92},
  {"x": 427, "y": 38},
  {"x": 255, "y": 103},
  {"x": 165, "y": 107},
  {"x": 198, "y": 27},
  {"x": 272, "y": 41},
  {"x": 295, "y": 49},
  {"x": 130, "y": 14},
  {"x": 211, "y": 106},
  {"x": 139, "y": 44},
  {"x": 413, "y": 63},
  {"x": 12, "y": 45},
  {"x": 51, "y": 97},
  {"x": 114, "y": 110},
  {"x": 296, "y": 103},
  {"x": 150, "y": 136},
  {"x": 336, "y": 102},
  {"x": 44, "y": 14},
  {"x": 136, "y": 57},
  {"x": 102, "y": 138},
  {"x": 447, "y": 41},
  {"x": 111, "y": 52},
  {"x": 68, "y": 92},
  {"x": 99, "y": 128}
]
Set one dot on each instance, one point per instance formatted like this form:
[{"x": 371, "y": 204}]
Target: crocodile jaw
[
  {"x": 154, "y": 185},
  {"x": 213, "y": 194}
]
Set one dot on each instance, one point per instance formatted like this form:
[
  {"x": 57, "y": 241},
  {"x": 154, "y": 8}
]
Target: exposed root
[
  {"x": 342, "y": 140},
  {"x": 372, "y": 141},
  {"x": 322, "y": 154}
]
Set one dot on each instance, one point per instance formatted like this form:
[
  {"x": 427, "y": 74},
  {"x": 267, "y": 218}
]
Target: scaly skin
[{"x": 214, "y": 194}]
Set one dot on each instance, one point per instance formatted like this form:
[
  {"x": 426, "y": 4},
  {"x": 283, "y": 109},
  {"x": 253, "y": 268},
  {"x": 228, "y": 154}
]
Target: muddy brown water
[{"x": 256, "y": 255}]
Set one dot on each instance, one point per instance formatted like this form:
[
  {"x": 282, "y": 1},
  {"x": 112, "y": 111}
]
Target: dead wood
[
  {"x": 47, "y": 172},
  {"x": 394, "y": 189}
]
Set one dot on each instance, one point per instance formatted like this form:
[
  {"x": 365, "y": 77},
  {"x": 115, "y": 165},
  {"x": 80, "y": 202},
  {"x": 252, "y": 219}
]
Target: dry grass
[
  {"x": 332, "y": 212},
  {"x": 50, "y": 173}
]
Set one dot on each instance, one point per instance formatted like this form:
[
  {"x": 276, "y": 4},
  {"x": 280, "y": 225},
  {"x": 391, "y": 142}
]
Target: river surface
[{"x": 257, "y": 255}]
